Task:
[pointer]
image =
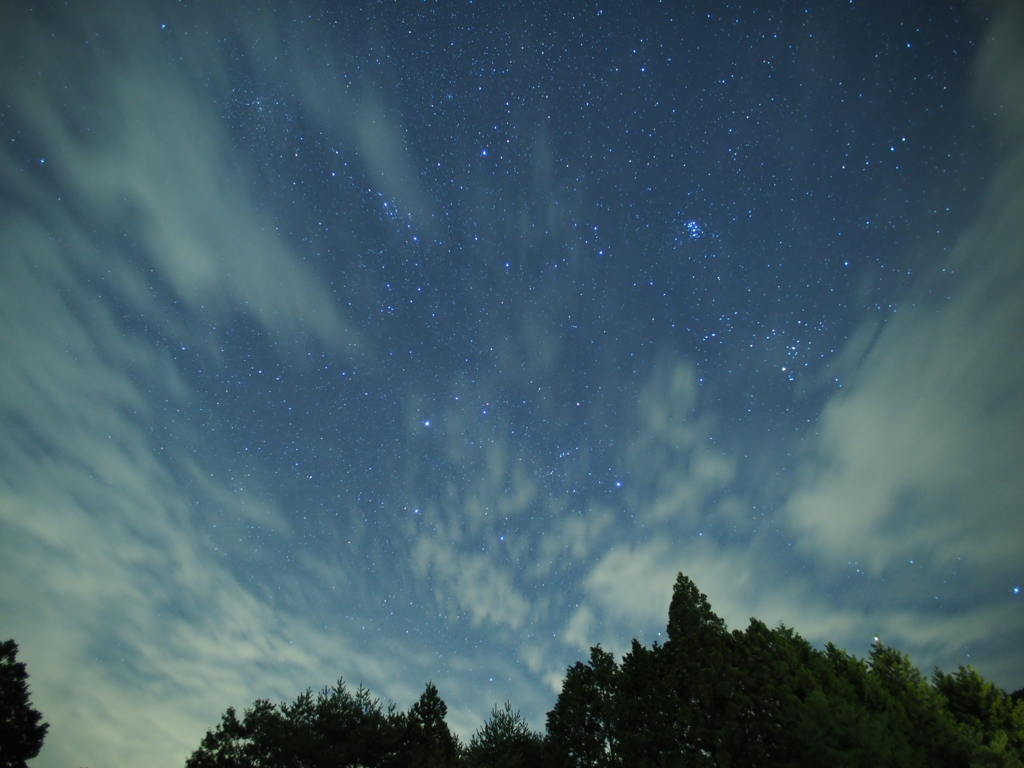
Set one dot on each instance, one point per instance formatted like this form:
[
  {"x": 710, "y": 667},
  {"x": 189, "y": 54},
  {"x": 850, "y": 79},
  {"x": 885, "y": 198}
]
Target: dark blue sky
[{"x": 420, "y": 340}]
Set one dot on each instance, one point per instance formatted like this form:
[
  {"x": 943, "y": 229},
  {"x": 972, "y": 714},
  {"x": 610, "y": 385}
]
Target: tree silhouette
[
  {"x": 644, "y": 710},
  {"x": 767, "y": 697},
  {"x": 505, "y": 741},
  {"x": 699, "y": 651},
  {"x": 332, "y": 729},
  {"x": 757, "y": 698},
  {"x": 580, "y": 732},
  {"x": 431, "y": 743},
  {"x": 21, "y": 729}
]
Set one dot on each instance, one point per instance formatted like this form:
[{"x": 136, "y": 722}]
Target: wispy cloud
[
  {"x": 673, "y": 470},
  {"x": 920, "y": 454},
  {"x": 131, "y": 229},
  {"x": 917, "y": 461},
  {"x": 125, "y": 200},
  {"x": 130, "y": 144},
  {"x": 674, "y": 481},
  {"x": 107, "y": 567}
]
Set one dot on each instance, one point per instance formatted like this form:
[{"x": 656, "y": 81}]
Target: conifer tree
[
  {"x": 505, "y": 740},
  {"x": 700, "y": 669},
  {"x": 21, "y": 728},
  {"x": 430, "y": 742},
  {"x": 644, "y": 718}
]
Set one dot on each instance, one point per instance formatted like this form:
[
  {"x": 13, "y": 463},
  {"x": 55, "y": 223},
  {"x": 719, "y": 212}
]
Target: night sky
[{"x": 409, "y": 341}]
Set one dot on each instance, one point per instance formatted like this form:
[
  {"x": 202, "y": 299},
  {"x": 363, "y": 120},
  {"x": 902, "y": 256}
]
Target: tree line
[{"x": 706, "y": 697}]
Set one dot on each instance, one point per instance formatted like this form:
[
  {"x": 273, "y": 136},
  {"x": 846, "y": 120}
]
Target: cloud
[
  {"x": 672, "y": 471},
  {"x": 107, "y": 571},
  {"x": 471, "y": 582},
  {"x": 130, "y": 144},
  {"x": 920, "y": 455},
  {"x": 463, "y": 546},
  {"x": 136, "y": 629},
  {"x": 628, "y": 591},
  {"x": 576, "y": 534},
  {"x": 914, "y": 474},
  {"x": 353, "y": 110}
]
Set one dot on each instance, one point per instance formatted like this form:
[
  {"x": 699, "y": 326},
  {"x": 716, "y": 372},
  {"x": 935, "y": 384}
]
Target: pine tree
[
  {"x": 505, "y": 740},
  {"x": 430, "y": 742},
  {"x": 21, "y": 729}
]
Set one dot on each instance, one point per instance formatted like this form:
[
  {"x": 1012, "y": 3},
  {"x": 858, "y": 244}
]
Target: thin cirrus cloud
[
  {"x": 673, "y": 471},
  {"x": 143, "y": 210},
  {"x": 107, "y": 542}
]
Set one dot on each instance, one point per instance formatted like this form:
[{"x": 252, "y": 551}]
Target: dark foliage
[
  {"x": 708, "y": 697},
  {"x": 21, "y": 728},
  {"x": 333, "y": 729},
  {"x": 766, "y": 697},
  {"x": 580, "y": 731},
  {"x": 429, "y": 743},
  {"x": 505, "y": 741}
]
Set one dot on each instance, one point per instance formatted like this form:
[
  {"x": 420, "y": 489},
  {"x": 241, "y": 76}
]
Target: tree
[
  {"x": 699, "y": 651},
  {"x": 771, "y": 678},
  {"x": 644, "y": 718},
  {"x": 991, "y": 721},
  {"x": 335, "y": 728},
  {"x": 580, "y": 733},
  {"x": 430, "y": 742},
  {"x": 847, "y": 722},
  {"x": 505, "y": 740},
  {"x": 21, "y": 729},
  {"x": 258, "y": 739},
  {"x": 760, "y": 698},
  {"x": 918, "y": 722}
]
